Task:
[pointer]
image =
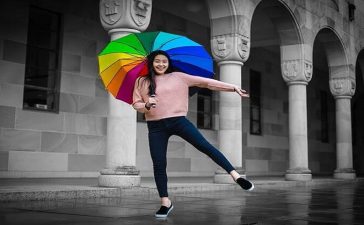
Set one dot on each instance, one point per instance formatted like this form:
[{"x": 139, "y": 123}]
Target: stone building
[{"x": 302, "y": 62}]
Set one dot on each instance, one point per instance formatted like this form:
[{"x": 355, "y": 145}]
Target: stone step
[{"x": 60, "y": 191}]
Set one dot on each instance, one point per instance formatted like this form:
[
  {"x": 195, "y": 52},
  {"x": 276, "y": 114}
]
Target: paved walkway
[{"x": 322, "y": 204}]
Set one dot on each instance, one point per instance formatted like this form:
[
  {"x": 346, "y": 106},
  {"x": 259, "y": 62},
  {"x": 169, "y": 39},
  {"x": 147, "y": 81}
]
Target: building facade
[{"x": 301, "y": 61}]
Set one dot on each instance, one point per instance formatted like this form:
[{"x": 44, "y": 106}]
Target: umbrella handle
[{"x": 153, "y": 105}]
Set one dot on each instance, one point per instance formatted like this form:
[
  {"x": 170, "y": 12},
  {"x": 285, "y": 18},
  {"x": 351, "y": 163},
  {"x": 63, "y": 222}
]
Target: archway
[
  {"x": 273, "y": 27},
  {"x": 329, "y": 63},
  {"x": 357, "y": 116}
]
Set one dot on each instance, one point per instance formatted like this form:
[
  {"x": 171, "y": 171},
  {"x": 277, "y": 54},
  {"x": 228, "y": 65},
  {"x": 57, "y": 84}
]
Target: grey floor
[{"x": 343, "y": 204}]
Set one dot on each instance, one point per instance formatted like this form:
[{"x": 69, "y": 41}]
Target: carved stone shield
[
  {"x": 110, "y": 11},
  {"x": 243, "y": 47},
  {"x": 220, "y": 47},
  {"x": 140, "y": 11},
  {"x": 308, "y": 70}
]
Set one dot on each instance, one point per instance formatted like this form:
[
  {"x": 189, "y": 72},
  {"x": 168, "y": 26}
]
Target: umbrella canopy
[{"x": 123, "y": 60}]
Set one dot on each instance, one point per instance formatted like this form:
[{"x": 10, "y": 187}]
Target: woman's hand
[
  {"x": 241, "y": 92},
  {"x": 152, "y": 102}
]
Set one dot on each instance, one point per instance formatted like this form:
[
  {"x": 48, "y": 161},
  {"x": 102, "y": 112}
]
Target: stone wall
[
  {"x": 267, "y": 154},
  {"x": 42, "y": 144}
]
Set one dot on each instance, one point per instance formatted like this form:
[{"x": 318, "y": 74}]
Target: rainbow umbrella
[{"x": 123, "y": 60}]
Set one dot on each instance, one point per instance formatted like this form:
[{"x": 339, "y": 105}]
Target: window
[
  {"x": 204, "y": 109},
  {"x": 41, "y": 85},
  {"x": 324, "y": 117},
  {"x": 255, "y": 108},
  {"x": 354, "y": 109}
]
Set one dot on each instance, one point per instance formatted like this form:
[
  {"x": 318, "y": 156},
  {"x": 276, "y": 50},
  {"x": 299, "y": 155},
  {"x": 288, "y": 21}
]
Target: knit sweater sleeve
[
  {"x": 138, "y": 102},
  {"x": 203, "y": 82}
]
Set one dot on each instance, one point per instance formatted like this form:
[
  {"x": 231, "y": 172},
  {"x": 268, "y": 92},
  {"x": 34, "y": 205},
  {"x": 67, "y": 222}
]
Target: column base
[
  {"x": 298, "y": 175},
  {"x": 347, "y": 174},
  {"x": 119, "y": 180},
  {"x": 125, "y": 176}
]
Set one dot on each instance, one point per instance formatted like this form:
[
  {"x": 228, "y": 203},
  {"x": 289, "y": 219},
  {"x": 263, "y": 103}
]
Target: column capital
[
  {"x": 131, "y": 14},
  {"x": 230, "y": 47},
  {"x": 296, "y": 71},
  {"x": 342, "y": 87}
]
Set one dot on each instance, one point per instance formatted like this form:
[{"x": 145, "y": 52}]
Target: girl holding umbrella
[{"x": 162, "y": 96}]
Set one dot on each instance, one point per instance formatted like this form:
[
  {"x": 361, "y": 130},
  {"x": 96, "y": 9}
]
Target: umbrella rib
[
  {"x": 188, "y": 55},
  {"x": 205, "y": 69},
  {"x": 142, "y": 53},
  {"x": 119, "y": 60},
  {"x": 179, "y": 47},
  {"x": 166, "y": 42},
  {"x": 118, "y": 72}
]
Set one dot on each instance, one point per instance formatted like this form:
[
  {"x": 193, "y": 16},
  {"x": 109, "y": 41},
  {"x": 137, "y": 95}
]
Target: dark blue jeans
[{"x": 159, "y": 133}]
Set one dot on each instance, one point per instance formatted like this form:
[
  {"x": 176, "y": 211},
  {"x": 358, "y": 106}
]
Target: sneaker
[
  {"x": 163, "y": 211},
  {"x": 245, "y": 184}
]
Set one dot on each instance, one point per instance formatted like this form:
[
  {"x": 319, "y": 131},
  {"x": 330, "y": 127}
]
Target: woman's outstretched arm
[{"x": 211, "y": 84}]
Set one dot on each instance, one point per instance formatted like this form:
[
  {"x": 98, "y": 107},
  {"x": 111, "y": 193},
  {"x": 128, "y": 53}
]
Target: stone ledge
[{"x": 57, "y": 192}]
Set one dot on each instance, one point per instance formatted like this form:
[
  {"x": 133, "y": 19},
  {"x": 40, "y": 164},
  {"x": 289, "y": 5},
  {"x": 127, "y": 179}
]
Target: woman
[{"x": 163, "y": 97}]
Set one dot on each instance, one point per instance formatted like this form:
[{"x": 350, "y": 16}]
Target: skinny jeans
[{"x": 159, "y": 132}]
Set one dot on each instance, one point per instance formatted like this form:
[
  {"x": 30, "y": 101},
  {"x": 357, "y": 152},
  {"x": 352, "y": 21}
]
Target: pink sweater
[{"x": 172, "y": 94}]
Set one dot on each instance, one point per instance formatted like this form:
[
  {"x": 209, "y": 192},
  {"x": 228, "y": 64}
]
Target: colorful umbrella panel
[{"x": 123, "y": 60}]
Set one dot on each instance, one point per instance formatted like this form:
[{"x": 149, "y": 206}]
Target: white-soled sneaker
[
  {"x": 245, "y": 184},
  {"x": 163, "y": 211}
]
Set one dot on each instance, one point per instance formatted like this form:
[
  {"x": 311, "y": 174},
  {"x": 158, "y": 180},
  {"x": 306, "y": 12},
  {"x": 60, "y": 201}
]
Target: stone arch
[
  {"x": 288, "y": 30},
  {"x": 334, "y": 37},
  {"x": 360, "y": 63},
  {"x": 236, "y": 17},
  {"x": 341, "y": 72},
  {"x": 333, "y": 4},
  {"x": 295, "y": 55},
  {"x": 361, "y": 43},
  {"x": 230, "y": 28},
  {"x": 337, "y": 38}
]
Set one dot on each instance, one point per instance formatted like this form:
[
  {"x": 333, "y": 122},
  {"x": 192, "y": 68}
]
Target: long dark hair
[{"x": 151, "y": 73}]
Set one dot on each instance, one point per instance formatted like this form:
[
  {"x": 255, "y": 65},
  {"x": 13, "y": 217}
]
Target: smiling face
[{"x": 160, "y": 64}]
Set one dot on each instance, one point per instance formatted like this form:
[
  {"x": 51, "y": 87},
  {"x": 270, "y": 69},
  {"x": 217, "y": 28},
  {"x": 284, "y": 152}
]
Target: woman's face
[{"x": 160, "y": 64}]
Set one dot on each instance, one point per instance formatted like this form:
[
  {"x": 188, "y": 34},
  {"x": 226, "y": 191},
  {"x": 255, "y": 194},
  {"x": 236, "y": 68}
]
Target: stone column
[
  {"x": 297, "y": 72},
  {"x": 119, "y": 18},
  {"x": 343, "y": 89},
  {"x": 298, "y": 144},
  {"x": 230, "y": 52}
]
